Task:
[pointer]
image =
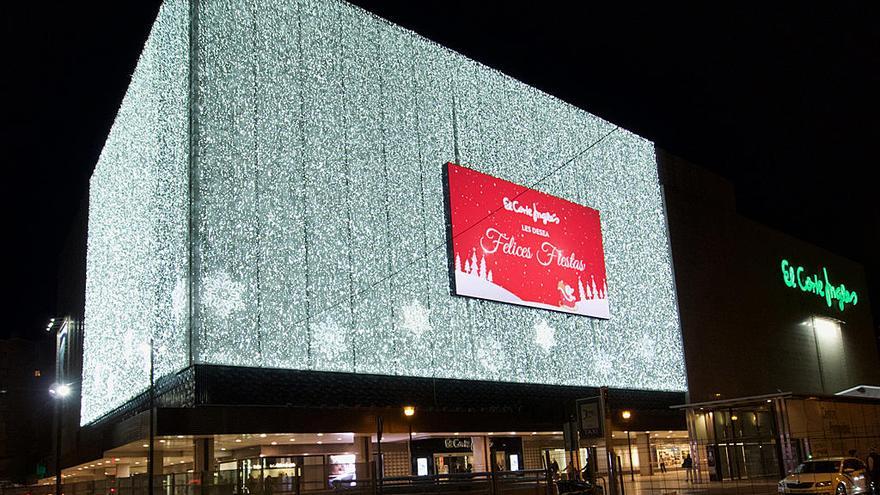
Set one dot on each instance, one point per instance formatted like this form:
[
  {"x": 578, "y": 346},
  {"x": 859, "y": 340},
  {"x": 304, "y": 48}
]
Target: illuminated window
[{"x": 37, "y": 373}]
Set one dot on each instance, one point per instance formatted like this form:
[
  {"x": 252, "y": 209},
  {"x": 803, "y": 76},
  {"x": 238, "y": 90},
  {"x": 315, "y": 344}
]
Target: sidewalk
[{"x": 675, "y": 483}]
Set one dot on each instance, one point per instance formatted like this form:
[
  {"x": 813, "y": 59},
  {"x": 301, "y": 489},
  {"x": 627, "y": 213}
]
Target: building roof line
[{"x": 737, "y": 400}]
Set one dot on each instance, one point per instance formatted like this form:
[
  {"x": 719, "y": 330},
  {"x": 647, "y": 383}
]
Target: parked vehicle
[{"x": 837, "y": 475}]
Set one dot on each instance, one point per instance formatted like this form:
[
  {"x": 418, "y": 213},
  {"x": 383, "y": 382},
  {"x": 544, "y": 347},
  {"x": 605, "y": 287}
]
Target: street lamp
[
  {"x": 59, "y": 392},
  {"x": 151, "y": 446},
  {"x": 409, "y": 412},
  {"x": 626, "y": 414}
]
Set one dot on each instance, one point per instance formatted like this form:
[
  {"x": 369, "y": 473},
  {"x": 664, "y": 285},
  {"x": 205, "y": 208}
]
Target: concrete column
[
  {"x": 123, "y": 470},
  {"x": 481, "y": 454},
  {"x": 646, "y": 464},
  {"x": 203, "y": 456}
]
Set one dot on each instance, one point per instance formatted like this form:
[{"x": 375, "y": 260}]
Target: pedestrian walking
[{"x": 688, "y": 465}]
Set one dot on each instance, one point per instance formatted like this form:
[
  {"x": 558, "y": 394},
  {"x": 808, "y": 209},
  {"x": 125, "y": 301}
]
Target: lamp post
[
  {"x": 151, "y": 450},
  {"x": 380, "y": 466},
  {"x": 408, "y": 413},
  {"x": 59, "y": 392},
  {"x": 626, "y": 415}
]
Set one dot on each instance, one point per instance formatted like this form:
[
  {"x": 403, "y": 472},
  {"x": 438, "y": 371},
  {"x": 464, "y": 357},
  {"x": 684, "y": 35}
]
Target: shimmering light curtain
[{"x": 310, "y": 230}]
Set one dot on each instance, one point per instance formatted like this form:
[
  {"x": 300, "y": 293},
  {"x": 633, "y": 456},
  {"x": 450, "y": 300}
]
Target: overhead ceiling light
[
  {"x": 320, "y": 434},
  {"x": 222, "y": 448},
  {"x": 534, "y": 433},
  {"x": 179, "y": 436},
  {"x": 292, "y": 439},
  {"x": 146, "y": 445},
  {"x": 274, "y": 443},
  {"x": 320, "y": 442},
  {"x": 339, "y": 438},
  {"x": 262, "y": 435},
  {"x": 237, "y": 440}
]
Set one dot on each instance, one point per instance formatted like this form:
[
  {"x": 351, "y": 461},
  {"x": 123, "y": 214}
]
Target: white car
[{"x": 837, "y": 475}]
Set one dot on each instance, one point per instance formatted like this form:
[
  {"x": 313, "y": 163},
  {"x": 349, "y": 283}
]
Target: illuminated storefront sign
[
  {"x": 797, "y": 277},
  {"x": 521, "y": 246},
  {"x": 457, "y": 443}
]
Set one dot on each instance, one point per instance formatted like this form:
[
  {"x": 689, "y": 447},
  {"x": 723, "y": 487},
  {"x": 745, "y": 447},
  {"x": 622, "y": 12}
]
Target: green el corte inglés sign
[{"x": 797, "y": 277}]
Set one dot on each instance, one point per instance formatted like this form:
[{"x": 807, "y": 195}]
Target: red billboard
[{"x": 520, "y": 246}]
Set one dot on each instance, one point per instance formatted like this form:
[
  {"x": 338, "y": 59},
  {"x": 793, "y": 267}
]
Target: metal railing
[{"x": 528, "y": 482}]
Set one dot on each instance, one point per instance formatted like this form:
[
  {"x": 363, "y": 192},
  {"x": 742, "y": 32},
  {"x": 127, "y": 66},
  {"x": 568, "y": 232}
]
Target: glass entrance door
[{"x": 453, "y": 463}]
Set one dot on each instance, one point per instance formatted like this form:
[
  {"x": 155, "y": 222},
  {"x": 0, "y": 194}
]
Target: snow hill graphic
[{"x": 473, "y": 279}]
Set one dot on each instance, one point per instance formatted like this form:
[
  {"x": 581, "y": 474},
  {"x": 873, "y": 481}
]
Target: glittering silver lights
[{"x": 307, "y": 228}]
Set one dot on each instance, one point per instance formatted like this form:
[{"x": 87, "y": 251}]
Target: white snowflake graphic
[
  {"x": 222, "y": 295},
  {"x": 545, "y": 335},
  {"x": 490, "y": 355},
  {"x": 645, "y": 348},
  {"x": 329, "y": 342},
  {"x": 603, "y": 365},
  {"x": 416, "y": 318}
]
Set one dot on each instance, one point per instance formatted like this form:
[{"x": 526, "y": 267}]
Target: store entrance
[
  {"x": 506, "y": 453},
  {"x": 442, "y": 455},
  {"x": 452, "y": 463}
]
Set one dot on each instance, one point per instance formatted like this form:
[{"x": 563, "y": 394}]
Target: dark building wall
[
  {"x": 71, "y": 304},
  {"x": 25, "y": 407},
  {"x": 744, "y": 331}
]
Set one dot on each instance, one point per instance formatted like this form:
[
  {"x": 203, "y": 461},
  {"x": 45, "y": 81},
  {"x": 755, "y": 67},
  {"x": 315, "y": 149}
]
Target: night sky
[{"x": 783, "y": 102}]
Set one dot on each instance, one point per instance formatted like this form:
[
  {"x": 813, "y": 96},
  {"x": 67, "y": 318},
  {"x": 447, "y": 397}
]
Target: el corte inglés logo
[{"x": 797, "y": 277}]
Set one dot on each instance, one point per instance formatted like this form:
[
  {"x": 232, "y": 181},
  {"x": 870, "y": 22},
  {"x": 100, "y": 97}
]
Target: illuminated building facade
[
  {"x": 272, "y": 195},
  {"x": 268, "y": 235}
]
